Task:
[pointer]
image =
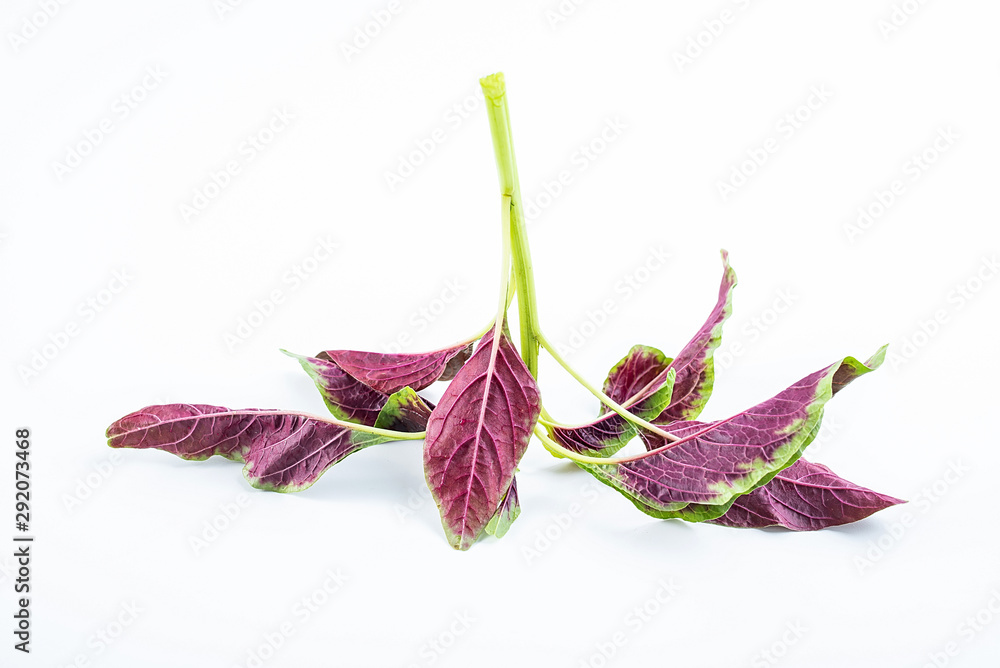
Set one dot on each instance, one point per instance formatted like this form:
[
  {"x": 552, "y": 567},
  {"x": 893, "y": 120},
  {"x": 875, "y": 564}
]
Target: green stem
[
  {"x": 497, "y": 326},
  {"x": 495, "y": 91},
  {"x": 388, "y": 433},
  {"x": 605, "y": 399},
  {"x": 559, "y": 451},
  {"x": 505, "y": 269}
]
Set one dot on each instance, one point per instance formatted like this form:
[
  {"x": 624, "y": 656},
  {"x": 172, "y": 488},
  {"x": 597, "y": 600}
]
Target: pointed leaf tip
[
  {"x": 695, "y": 364},
  {"x": 805, "y": 497}
]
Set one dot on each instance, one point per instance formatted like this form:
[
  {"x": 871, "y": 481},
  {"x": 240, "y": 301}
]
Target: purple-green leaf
[
  {"x": 390, "y": 372},
  {"x": 699, "y": 476},
  {"x": 356, "y": 385},
  {"x": 636, "y": 373},
  {"x": 283, "y": 451},
  {"x": 694, "y": 366},
  {"x": 476, "y": 436},
  {"x": 601, "y": 438},
  {"x": 347, "y": 398},
  {"x": 508, "y": 511},
  {"x": 404, "y": 411},
  {"x": 804, "y": 497}
]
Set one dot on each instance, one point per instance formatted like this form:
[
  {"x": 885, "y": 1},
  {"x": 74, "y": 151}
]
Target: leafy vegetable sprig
[{"x": 743, "y": 471}]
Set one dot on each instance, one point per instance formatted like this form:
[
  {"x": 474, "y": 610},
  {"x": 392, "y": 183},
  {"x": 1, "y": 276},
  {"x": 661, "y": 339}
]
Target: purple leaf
[
  {"x": 697, "y": 477},
  {"x": 476, "y": 436},
  {"x": 391, "y": 372},
  {"x": 404, "y": 411},
  {"x": 508, "y": 511},
  {"x": 284, "y": 451},
  {"x": 695, "y": 365},
  {"x": 601, "y": 438},
  {"x": 347, "y": 398},
  {"x": 634, "y": 373},
  {"x": 456, "y": 363},
  {"x": 804, "y": 497}
]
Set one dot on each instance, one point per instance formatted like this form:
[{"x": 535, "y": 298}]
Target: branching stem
[
  {"x": 495, "y": 91},
  {"x": 605, "y": 399}
]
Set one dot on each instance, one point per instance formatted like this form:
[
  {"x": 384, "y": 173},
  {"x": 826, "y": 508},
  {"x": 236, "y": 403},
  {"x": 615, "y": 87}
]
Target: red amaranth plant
[{"x": 744, "y": 471}]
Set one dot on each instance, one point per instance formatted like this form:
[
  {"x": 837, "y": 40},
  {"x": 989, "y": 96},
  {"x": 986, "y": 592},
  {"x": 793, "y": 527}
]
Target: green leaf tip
[{"x": 875, "y": 361}]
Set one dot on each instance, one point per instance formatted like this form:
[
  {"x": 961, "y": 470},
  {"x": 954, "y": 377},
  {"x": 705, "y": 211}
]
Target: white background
[{"x": 116, "y": 530}]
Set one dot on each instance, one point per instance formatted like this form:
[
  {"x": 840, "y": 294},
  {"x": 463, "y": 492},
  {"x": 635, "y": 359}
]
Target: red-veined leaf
[{"x": 476, "y": 436}]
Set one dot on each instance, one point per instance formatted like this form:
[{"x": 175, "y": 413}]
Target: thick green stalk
[{"x": 495, "y": 91}]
